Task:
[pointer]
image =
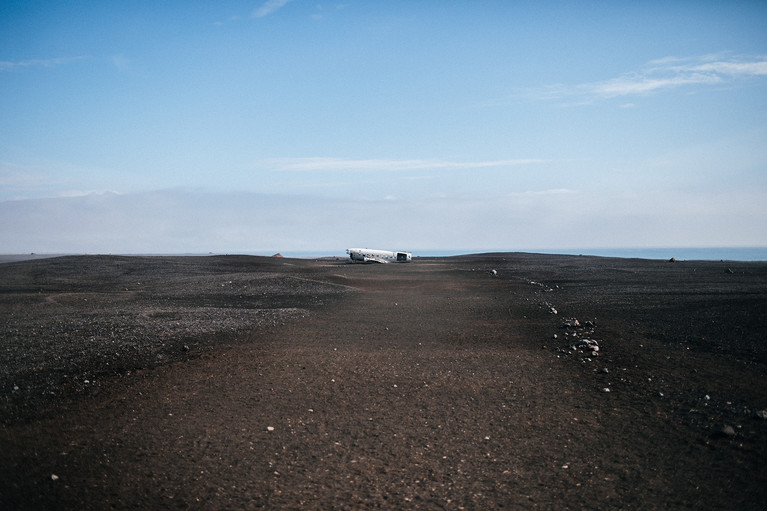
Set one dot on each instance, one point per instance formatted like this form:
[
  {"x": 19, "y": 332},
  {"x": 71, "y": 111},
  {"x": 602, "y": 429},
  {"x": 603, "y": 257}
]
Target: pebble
[
  {"x": 761, "y": 414},
  {"x": 606, "y": 389},
  {"x": 588, "y": 343}
]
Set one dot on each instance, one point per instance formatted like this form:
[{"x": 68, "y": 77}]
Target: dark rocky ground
[{"x": 245, "y": 382}]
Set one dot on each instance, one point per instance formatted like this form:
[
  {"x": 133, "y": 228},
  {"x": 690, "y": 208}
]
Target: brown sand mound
[{"x": 248, "y": 382}]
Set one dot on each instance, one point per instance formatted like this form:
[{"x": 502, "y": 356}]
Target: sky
[{"x": 297, "y": 125}]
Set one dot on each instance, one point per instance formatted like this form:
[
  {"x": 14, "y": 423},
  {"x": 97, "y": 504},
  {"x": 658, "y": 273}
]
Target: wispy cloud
[
  {"x": 383, "y": 165},
  {"x": 121, "y": 62},
  {"x": 269, "y": 7},
  {"x": 14, "y": 177},
  {"x": 660, "y": 75},
  {"x": 641, "y": 84},
  {"x": 538, "y": 193},
  {"x": 6, "y": 65}
]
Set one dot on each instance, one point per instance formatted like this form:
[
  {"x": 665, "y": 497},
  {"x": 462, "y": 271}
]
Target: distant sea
[{"x": 678, "y": 253}]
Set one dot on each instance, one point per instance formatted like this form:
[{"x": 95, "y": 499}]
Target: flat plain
[{"x": 470, "y": 382}]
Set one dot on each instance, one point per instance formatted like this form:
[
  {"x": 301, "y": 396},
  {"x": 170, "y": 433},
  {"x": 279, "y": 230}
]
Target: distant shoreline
[{"x": 745, "y": 254}]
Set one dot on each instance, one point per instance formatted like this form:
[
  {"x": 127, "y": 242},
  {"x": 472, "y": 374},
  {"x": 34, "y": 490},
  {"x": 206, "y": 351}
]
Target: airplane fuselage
[{"x": 369, "y": 255}]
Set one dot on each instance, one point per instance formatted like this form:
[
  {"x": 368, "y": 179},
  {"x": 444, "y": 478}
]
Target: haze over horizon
[{"x": 289, "y": 126}]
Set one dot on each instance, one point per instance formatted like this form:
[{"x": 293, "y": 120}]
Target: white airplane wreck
[{"x": 369, "y": 255}]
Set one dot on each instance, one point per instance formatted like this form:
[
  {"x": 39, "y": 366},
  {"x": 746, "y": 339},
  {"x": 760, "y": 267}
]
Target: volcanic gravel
[{"x": 485, "y": 381}]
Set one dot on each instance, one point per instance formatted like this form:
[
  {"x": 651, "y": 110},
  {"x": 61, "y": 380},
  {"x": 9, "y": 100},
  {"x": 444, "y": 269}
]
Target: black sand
[{"x": 247, "y": 382}]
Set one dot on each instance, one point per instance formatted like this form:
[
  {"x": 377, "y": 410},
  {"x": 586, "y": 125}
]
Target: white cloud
[
  {"x": 12, "y": 66},
  {"x": 269, "y": 7},
  {"x": 47, "y": 178},
  {"x": 121, "y": 62},
  {"x": 659, "y": 75},
  {"x": 642, "y": 84},
  {"x": 383, "y": 165},
  {"x": 19, "y": 181},
  {"x": 756, "y": 68},
  {"x": 553, "y": 191}
]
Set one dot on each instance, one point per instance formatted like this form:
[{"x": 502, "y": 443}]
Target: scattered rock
[
  {"x": 761, "y": 414},
  {"x": 725, "y": 431},
  {"x": 588, "y": 344},
  {"x": 571, "y": 323},
  {"x": 672, "y": 260}
]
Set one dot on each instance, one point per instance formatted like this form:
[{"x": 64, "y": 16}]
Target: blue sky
[{"x": 234, "y": 126}]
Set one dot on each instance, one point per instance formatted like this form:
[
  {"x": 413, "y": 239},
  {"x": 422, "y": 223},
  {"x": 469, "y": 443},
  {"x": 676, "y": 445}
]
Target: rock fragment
[
  {"x": 571, "y": 323},
  {"x": 725, "y": 431}
]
